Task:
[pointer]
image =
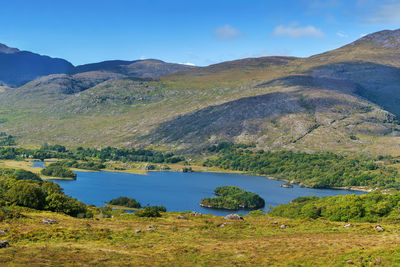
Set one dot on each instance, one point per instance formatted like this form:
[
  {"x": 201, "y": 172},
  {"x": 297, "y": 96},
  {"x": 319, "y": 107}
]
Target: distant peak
[
  {"x": 385, "y": 39},
  {"x": 7, "y": 50}
]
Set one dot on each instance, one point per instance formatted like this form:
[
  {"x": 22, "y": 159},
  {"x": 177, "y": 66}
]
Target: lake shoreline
[{"x": 198, "y": 168}]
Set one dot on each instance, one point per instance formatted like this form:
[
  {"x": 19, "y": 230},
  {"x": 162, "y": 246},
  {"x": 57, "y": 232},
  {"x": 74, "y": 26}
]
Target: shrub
[
  {"x": 153, "y": 211},
  {"x": 26, "y": 194},
  {"x": 125, "y": 202}
]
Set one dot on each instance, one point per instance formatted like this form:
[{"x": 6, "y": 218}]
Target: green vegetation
[
  {"x": 89, "y": 154},
  {"x": 319, "y": 170},
  {"x": 233, "y": 198},
  {"x": 58, "y": 171},
  {"x": 151, "y": 211},
  {"x": 85, "y": 165},
  {"x": 371, "y": 207},
  {"x": 19, "y": 174},
  {"x": 125, "y": 202},
  {"x": 198, "y": 241},
  {"x": 24, "y": 189},
  {"x": 6, "y": 140}
]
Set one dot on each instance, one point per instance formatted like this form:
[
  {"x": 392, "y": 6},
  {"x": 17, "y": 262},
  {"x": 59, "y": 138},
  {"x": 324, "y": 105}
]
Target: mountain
[
  {"x": 148, "y": 68},
  {"x": 18, "y": 67},
  {"x": 343, "y": 100}
]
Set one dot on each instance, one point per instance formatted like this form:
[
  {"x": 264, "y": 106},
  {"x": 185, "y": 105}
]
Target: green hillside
[{"x": 341, "y": 100}]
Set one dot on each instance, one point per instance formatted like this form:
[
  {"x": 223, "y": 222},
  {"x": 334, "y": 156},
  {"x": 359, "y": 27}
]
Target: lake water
[{"x": 179, "y": 191}]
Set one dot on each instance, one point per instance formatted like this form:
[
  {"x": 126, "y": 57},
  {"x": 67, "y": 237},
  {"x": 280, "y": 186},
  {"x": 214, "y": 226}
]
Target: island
[
  {"x": 233, "y": 198},
  {"x": 58, "y": 171}
]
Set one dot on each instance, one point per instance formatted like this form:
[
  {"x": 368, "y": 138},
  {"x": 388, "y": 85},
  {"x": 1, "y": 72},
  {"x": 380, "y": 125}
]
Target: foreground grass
[{"x": 199, "y": 241}]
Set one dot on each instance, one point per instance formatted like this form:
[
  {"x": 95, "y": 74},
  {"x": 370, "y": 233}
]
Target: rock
[
  {"x": 49, "y": 221},
  {"x": 222, "y": 225},
  {"x": 348, "y": 225},
  {"x": 3, "y": 232},
  {"x": 350, "y": 262},
  {"x": 275, "y": 222},
  {"x": 151, "y": 228},
  {"x": 287, "y": 185},
  {"x": 195, "y": 213},
  {"x": 379, "y": 228},
  {"x": 181, "y": 217},
  {"x": 4, "y": 244},
  {"x": 233, "y": 217},
  {"x": 137, "y": 231},
  {"x": 284, "y": 226}
]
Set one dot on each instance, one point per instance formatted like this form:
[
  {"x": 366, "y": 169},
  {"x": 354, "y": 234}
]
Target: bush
[
  {"x": 125, "y": 202},
  {"x": 153, "y": 211},
  {"x": 61, "y": 203},
  {"x": 26, "y": 194}
]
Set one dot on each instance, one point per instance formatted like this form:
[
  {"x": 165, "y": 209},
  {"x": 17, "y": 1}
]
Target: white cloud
[
  {"x": 227, "y": 33},
  {"x": 187, "y": 63},
  {"x": 297, "y": 31},
  {"x": 342, "y": 34}
]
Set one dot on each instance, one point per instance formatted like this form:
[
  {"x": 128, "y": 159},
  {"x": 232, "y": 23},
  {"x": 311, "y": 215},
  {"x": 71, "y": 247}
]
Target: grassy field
[{"x": 198, "y": 241}]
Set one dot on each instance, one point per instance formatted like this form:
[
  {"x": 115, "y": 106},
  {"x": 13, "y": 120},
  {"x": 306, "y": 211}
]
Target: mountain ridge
[{"x": 342, "y": 100}]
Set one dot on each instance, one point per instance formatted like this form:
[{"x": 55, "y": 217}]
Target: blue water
[{"x": 179, "y": 191}]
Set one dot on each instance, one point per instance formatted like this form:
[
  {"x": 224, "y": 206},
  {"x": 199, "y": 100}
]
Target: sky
[{"x": 199, "y": 32}]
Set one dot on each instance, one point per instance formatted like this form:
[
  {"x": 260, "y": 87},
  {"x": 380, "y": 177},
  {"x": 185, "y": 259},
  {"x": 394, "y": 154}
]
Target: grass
[{"x": 256, "y": 241}]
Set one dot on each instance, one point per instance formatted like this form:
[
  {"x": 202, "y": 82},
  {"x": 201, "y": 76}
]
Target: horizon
[{"x": 193, "y": 33}]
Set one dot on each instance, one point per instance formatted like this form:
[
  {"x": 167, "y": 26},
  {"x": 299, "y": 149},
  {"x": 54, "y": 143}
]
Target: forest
[
  {"x": 87, "y": 154},
  {"x": 318, "y": 170}
]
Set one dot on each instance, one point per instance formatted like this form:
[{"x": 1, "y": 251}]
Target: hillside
[
  {"x": 199, "y": 241},
  {"x": 342, "y": 100},
  {"x": 18, "y": 67},
  {"x": 148, "y": 68}
]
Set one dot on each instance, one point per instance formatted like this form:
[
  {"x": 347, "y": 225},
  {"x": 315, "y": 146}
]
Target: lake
[{"x": 179, "y": 191}]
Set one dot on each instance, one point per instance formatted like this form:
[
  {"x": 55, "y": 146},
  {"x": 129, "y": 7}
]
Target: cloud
[
  {"x": 187, "y": 63},
  {"x": 388, "y": 12},
  {"x": 296, "y": 31},
  {"x": 227, "y": 33},
  {"x": 341, "y": 34}
]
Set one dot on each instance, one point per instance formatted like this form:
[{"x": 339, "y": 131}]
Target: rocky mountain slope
[{"x": 342, "y": 100}]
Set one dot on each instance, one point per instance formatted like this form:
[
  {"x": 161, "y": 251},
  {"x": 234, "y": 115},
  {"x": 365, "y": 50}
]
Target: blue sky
[{"x": 201, "y": 32}]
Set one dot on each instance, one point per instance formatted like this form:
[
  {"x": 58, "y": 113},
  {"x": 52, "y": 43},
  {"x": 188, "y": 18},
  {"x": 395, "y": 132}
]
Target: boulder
[
  {"x": 181, "y": 217},
  {"x": 151, "y": 228},
  {"x": 4, "y": 244},
  {"x": 195, "y": 213},
  {"x": 137, "y": 231},
  {"x": 348, "y": 225},
  {"x": 49, "y": 221},
  {"x": 379, "y": 228},
  {"x": 284, "y": 226},
  {"x": 233, "y": 217},
  {"x": 222, "y": 225},
  {"x": 3, "y": 232}
]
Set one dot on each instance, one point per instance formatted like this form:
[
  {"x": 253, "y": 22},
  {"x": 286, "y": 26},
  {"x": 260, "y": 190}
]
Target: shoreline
[{"x": 173, "y": 167}]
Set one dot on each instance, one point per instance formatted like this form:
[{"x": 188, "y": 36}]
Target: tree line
[{"x": 318, "y": 170}]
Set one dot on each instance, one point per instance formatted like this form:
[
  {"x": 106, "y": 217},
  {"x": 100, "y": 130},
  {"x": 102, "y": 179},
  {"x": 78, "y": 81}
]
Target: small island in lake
[
  {"x": 233, "y": 198},
  {"x": 54, "y": 170}
]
